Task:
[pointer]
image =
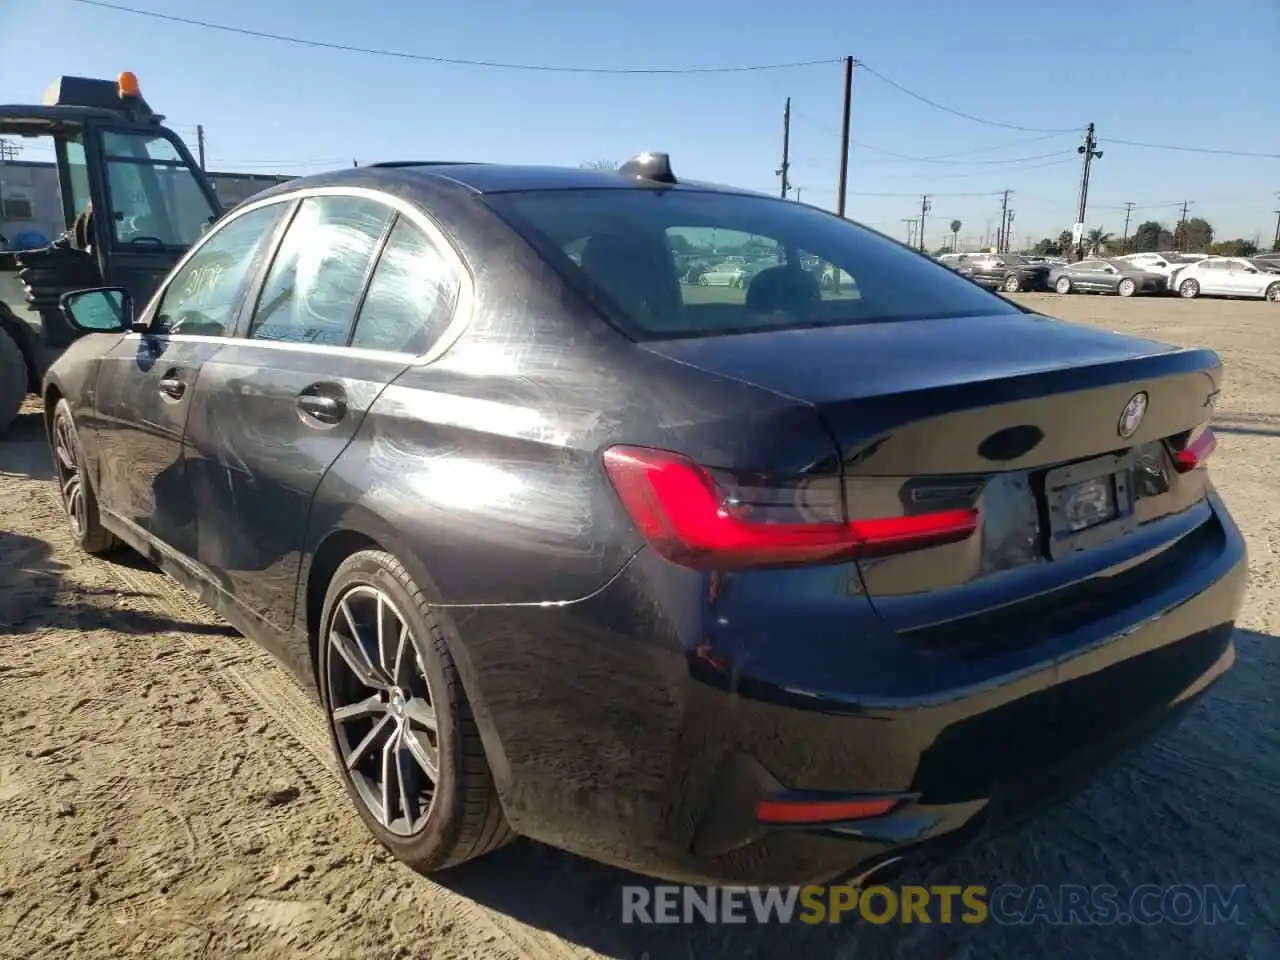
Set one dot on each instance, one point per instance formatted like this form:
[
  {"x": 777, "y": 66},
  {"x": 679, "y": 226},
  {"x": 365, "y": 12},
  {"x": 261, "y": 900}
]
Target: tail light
[
  {"x": 1195, "y": 451},
  {"x": 691, "y": 519}
]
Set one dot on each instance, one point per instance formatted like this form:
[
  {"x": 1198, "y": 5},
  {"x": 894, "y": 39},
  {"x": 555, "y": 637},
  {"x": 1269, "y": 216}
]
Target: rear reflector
[
  {"x": 795, "y": 812},
  {"x": 687, "y": 518},
  {"x": 1196, "y": 451}
]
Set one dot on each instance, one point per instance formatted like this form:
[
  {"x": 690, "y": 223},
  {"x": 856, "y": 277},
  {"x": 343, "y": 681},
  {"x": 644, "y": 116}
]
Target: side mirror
[{"x": 100, "y": 310}]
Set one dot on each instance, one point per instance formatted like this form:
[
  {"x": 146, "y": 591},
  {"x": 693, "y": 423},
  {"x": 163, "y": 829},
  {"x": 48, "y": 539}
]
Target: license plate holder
[{"x": 1089, "y": 503}]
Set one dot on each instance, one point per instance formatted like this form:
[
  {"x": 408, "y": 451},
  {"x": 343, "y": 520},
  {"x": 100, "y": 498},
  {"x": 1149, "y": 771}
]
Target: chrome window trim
[{"x": 463, "y": 308}]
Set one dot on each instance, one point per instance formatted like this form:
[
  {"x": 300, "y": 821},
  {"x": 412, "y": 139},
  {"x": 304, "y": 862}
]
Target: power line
[
  {"x": 1181, "y": 149},
  {"x": 945, "y": 109},
  {"x": 1110, "y": 140},
  {"x": 449, "y": 61},
  {"x": 903, "y": 156},
  {"x": 939, "y": 157}
]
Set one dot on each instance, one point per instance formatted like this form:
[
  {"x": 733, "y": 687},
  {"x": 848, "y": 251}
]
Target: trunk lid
[
  {"x": 965, "y": 395},
  {"x": 1022, "y": 417}
]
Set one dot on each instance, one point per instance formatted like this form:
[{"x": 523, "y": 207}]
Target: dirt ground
[{"x": 166, "y": 789}]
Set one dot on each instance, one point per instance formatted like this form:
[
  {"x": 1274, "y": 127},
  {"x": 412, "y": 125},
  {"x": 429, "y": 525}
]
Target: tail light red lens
[
  {"x": 687, "y": 517},
  {"x": 1195, "y": 451}
]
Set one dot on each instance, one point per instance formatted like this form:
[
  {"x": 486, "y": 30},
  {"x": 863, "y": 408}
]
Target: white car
[
  {"x": 725, "y": 275},
  {"x": 1155, "y": 263},
  {"x": 1227, "y": 277}
]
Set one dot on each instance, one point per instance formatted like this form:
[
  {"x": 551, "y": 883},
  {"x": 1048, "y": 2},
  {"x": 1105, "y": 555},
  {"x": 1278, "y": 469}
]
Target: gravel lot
[{"x": 165, "y": 789}]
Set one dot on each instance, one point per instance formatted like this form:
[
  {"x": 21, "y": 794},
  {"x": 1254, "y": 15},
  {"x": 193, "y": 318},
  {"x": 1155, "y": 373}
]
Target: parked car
[
  {"x": 1159, "y": 263},
  {"x": 725, "y": 275},
  {"x": 1106, "y": 276},
  {"x": 1008, "y": 272},
  {"x": 954, "y": 260},
  {"x": 1227, "y": 277},
  {"x": 718, "y": 592}
]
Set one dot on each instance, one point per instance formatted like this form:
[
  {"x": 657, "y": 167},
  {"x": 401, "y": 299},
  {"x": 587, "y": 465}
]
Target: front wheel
[
  {"x": 1188, "y": 289},
  {"x": 399, "y": 721},
  {"x": 1011, "y": 283},
  {"x": 79, "y": 501},
  {"x": 1063, "y": 285},
  {"x": 1273, "y": 293},
  {"x": 1127, "y": 288}
]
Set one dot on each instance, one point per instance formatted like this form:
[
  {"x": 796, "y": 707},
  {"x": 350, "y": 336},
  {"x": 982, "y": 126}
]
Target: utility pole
[
  {"x": 786, "y": 148},
  {"x": 1180, "y": 232},
  {"x": 1128, "y": 212},
  {"x": 1004, "y": 217},
  {"x": 1089, "y": 151},
  {"x": 1275, "y": 244},
  {"x": 844, "y": 137},
  {"x": 1008, "y": 231},
  {"x": 911, "y": 229},
  {"x": 798, "y": 189},
  {"x": 925, "y": 207},
  {"x": 355, "y": 163},
  {"x": 200, "y": 144}
]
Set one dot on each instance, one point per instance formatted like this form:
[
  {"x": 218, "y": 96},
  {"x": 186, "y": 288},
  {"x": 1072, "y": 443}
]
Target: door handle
[
  {"x": 324, "y": 407},
  {"x": 173, "y": 388}
]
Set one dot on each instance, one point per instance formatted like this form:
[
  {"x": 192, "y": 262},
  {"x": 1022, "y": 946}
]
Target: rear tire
[
  {"x": 13, "y": 379},
  {"x": 79, "y": 502},
  {"x": 458, "y": 817},
  {"x": 1188, "y": 289},
  {"x": 1127, "y": 288},
  {"x": 1273, "y": 293},
  {"x": 1063, "y": 286}
]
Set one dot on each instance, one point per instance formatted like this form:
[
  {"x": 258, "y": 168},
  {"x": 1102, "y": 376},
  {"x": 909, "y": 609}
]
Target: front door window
[{"x": 156, "y": 196}]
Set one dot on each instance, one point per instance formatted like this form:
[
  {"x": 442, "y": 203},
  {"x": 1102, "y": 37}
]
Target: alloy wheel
[
  {"x": 382, "y": 710},
  {"x": 1273, "y": 293},
  {"x": 70, "y": 477}
]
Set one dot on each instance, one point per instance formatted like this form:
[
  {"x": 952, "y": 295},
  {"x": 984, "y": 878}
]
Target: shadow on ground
[
  {"x": 34, "y": 596},
  {"x": 1196, "y": 807},
  {"x": 24, "y": 448},
  {"x": 1247, "y": 425}
]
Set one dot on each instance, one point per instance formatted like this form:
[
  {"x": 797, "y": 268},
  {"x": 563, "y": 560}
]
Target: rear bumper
[{"x": 626, "y": 729}]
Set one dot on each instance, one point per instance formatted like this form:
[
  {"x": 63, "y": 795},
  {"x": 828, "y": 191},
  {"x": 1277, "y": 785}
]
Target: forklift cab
[{"x": 122, "y": 175}]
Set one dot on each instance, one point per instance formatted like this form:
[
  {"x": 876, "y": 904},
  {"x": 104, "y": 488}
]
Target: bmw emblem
[{"x": 1134, "y": 411}]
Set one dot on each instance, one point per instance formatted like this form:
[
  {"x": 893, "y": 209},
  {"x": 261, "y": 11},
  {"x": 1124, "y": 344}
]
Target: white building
[{"x": 30, "y": 203}]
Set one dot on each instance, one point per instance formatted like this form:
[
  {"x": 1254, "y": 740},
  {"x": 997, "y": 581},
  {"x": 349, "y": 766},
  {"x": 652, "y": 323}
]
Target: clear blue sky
[{"x": 1185, "y": 72}]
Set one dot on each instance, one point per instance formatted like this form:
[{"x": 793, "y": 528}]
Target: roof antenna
[{"x": 654, "y": 167}]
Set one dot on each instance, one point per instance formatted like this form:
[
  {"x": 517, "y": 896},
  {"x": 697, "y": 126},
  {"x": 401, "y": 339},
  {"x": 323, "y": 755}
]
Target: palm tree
[
  {"x": 955, "y": 235},
  {"x": 1098, "y": 238}
]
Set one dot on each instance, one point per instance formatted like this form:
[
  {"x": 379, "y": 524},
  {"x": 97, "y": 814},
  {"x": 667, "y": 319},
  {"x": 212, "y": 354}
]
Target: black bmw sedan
[
  {"x": 1008, "y": 272},
  {"x": 763, "y": 585}
]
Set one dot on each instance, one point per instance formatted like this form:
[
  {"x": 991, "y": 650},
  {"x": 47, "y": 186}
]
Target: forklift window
[
  {"x": 79, "y": 171},
  {"x": 156, "y": 200}
]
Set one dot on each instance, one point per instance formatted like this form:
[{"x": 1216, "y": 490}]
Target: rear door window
[
  {"x": 313, "y": 288},
  {"x": 411, "y": 297},
  {"x": 679, "y": 263}
]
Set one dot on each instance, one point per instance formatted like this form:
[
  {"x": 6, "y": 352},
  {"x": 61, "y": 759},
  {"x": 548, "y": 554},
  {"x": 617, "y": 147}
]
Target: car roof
[{"x": 485, "y": 178}]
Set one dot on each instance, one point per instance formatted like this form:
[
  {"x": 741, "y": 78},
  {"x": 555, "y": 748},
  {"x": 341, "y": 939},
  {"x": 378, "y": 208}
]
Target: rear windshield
[{"x": 677, "y": 263}]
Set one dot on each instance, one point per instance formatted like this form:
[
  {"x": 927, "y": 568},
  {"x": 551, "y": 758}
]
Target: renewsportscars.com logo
[{"x": 1068, "y": 904}]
